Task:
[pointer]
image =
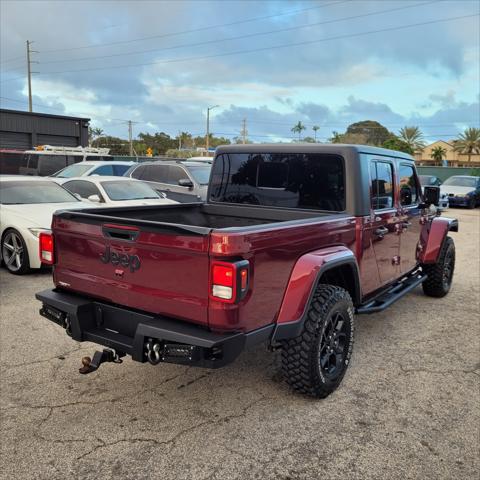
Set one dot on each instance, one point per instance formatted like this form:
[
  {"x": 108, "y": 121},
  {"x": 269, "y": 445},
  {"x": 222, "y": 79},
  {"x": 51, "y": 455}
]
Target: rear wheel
[
  {"x": 440, "y": 274},
  {"x": 15, "y": 253},
  {"x": 315, "y": 362}
]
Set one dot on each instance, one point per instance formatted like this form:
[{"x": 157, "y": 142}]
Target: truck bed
[
  {"x": 205, "y": 216},
  {"x": 157, "y": 259}
]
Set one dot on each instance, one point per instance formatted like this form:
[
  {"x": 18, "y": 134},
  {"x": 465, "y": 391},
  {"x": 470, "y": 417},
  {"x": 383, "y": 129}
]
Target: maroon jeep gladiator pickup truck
[{"x": 293, "y": 241}]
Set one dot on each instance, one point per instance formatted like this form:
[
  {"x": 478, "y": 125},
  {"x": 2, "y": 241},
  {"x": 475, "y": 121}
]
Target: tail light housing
[
  {"x": 46, "y": 248},
  {"x": 229, "y": 281}
]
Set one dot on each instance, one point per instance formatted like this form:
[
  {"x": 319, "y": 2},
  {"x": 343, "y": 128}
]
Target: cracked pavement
[{"x": 409, "y": 406}]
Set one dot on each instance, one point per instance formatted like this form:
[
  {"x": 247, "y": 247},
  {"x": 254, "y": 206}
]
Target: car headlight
[
  {"x": 37, "y": 231},
  {"x": 461, "y": 195}
]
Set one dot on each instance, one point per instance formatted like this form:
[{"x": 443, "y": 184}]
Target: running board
[{"x": 393, "y": 294}]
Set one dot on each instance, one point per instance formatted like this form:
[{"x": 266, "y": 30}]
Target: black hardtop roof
[{"x": 333, "y": 148}]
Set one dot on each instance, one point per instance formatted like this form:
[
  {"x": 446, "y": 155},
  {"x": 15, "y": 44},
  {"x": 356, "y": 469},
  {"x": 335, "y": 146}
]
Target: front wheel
[
  {"x": 315, "y": 362},
  {"x": 15, "y": 253},
  {"x": 440, "y": 274}
]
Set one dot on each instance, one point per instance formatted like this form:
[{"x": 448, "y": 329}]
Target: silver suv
[{"x": 182, "y": 180}]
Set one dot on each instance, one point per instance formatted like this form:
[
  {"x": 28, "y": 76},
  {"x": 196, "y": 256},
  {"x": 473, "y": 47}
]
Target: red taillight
[
  {"x": 229, "y": 281},
  {"x": 45, "y": 241},
  {"x": 223, "y": 275}
]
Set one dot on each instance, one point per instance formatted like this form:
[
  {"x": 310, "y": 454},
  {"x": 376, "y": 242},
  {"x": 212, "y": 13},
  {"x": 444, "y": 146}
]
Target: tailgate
[{"x": 157, "y": 268}]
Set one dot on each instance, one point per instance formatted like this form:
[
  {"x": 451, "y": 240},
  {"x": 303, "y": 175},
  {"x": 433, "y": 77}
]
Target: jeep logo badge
[{"x": 127, "y": 261}]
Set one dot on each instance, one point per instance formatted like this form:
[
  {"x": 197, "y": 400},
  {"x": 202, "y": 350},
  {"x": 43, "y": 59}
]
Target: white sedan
[
  {"x": 26, "y": 208},
  {"x": 114, "y": 191}
]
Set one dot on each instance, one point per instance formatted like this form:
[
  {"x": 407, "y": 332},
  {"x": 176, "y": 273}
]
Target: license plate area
[{"x": 53, "y": 314}]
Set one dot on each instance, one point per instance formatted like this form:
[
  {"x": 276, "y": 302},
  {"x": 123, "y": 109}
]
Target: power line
[
  {"x": 13, "y": 59},
  {"x": 261, "y": 49},
  {"x": 242, "y": 37},
  {"x": 200, "y": 29}
]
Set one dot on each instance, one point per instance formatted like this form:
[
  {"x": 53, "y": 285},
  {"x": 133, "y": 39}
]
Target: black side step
[{"x": 393, "y": 294}]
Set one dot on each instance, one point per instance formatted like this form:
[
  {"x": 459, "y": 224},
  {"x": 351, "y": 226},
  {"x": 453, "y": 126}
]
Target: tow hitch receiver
[{"x": 107, "y": 355}]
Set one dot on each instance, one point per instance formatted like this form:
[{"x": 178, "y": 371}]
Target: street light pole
[{"x": 207, "y": 140}]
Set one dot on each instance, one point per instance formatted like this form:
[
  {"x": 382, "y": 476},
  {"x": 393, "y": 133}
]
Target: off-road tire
[
  {"x": 440, "y": 274},
  {"x": 302, "y": 355}
]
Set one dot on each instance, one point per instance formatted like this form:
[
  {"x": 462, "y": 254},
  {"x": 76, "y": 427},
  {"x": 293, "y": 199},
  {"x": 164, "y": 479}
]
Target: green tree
[
  {"x": 468, "y": 142},
  {"x": 369, "y": 132},
  {"x": 308, "y": 140},
  {"x": 395, "y": 143},
  {"x": 315, "y": 129},
  {"x": 298, "y": 128},
  {"x": 335, "y": 138},
  {"x": 94, "y": 133},
  {"x": 117, "y": 146},
  {"x": 413, "y": 137},
  {"x": 438, "y": 154}
]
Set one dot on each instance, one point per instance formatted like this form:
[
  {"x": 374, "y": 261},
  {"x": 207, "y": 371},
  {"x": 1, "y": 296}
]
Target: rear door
[
  {"x": 385, "y": 220},
  {"x": 409, "y": 215},
  {"x": 153, "y": 269}
]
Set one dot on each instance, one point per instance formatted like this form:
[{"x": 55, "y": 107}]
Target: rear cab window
[{"x": 289, "y": 180}]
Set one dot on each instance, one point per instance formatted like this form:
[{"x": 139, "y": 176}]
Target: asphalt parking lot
[{"x": 409, "y": 406}]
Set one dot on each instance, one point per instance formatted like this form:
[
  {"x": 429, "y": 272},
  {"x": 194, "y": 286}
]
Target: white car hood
[
  {"x": 456, "y": 190},
  {"x": 40, "y": 215}
]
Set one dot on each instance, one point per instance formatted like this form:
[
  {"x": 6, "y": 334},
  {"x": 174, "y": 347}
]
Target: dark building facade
[{"x": 24, "y": 130}]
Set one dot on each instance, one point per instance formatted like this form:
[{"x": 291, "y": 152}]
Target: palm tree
[
  {"x": 298, "y": 128},
  {"x": 438, "y": 154},
  {"x": 413, "y": 137},
  {"x": 315, "y": 129},
  {"x": 468, "y": 142}
]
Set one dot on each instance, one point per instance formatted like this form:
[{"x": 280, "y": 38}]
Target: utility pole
[
  {"x": 29, "y": 74},
  {"x": 244, "y": 131},
  {"x": 130, "y": 137},
  {"x": 207, "y": 140}
]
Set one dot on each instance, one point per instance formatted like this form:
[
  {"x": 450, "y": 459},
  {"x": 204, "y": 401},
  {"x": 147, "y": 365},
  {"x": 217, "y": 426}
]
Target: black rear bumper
[{"x": 129, "y": 331}]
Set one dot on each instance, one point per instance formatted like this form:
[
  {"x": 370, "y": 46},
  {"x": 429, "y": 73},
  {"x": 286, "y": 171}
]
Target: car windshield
[
  {"x": 461, "y": 182},
  {"x": 426, "y": 180},
  {"x": 125, "y": 190},
  {"x": 31, "y": 192},
  {"x": 76, "y": 170},
  {"x": 201, "y": 174}
]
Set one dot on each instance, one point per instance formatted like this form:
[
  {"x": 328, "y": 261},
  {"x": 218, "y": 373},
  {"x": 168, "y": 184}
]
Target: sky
[{"x": 327, "y": 63}]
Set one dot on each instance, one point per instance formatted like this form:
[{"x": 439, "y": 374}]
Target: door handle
[{"x": 381, "y": 231}]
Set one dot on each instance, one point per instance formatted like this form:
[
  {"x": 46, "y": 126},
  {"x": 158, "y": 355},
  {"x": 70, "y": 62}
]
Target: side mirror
[
  {"x": 94, "y": 198},
  {"x": 431, "y": 196},
  {"x": 185, "y": 182}
]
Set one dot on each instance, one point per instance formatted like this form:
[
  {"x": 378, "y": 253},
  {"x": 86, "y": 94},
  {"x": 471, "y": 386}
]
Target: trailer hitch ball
[{"x": 153, "y": 352}]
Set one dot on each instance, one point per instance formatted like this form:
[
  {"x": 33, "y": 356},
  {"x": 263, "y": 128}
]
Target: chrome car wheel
[{"x": 14, "y": 252}]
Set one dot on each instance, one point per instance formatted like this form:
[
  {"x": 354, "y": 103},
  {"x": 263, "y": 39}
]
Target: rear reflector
[
  {"x": 45, "y": 241},
  {"x": 229, "y": 281}
]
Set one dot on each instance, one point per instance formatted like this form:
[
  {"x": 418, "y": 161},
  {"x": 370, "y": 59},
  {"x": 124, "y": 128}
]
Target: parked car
[
  {"x": 115, "y": 191},
  {"x": 196, "y": 284},
  {"x": 433, "y": 181},
  {"x": 183, "y": 180},
  {"x": 462, "y": 191},
  {"x": 27, "y": 205},
  {"x": 85, "y": 169}
]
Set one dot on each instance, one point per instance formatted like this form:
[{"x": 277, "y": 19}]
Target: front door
[
  {"x": 385, "y": 221},
  {"x": 409, "y": 215}
]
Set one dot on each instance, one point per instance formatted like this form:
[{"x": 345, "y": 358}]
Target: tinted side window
[
  {"x": 48, "y": 164},
  {"x": 156, "y": 173},
  {"x": 31, "y": 160},
  {"x": 120, "y": 169},
  {"x": 138, "y": 172},
  {"x": 84, "y": 189},
  {"x": 175, "y": 174},
  {"x": 103, "y": 170},
  {"x": 408, "y": 185},
  {"x": 381, "y": 174},
  {"x": 289, "y": 180}
]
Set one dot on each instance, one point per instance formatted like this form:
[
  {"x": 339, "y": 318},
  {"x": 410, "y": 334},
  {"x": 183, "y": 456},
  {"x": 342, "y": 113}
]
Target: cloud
[{"x": 328, "y": 82}]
